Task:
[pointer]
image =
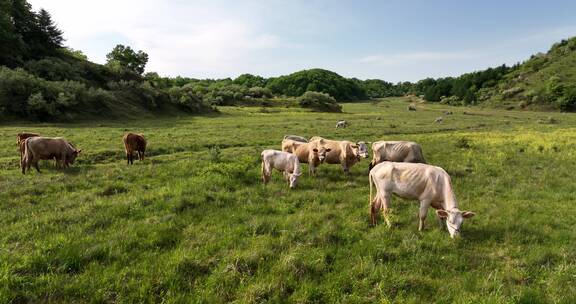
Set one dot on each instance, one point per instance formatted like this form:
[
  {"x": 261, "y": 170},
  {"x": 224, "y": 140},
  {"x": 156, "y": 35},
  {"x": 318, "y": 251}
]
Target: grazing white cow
[
  {"x": 396, "y": 151},
  {"x": 439, "y": 119},
  {"x": 411, "y": 107},
  {"x": 285, "y": 162},
  {"x": 429, "y": 184},
  {"x": 341, "y": 124},
  {"x": 296, "y": 138}
]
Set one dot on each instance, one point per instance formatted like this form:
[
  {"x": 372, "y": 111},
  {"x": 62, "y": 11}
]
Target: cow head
[
  {"x": 321, "y": 153},
  {"x": 72, "y": 156},
  {"x": 362, "y": 149},
  {"x": 294, "y": 179},
  {"x": 454, "y": 219}
]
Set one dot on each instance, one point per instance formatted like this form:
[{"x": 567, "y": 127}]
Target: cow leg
[
  {"x": 374, "y": 207},
  {"x": 266, "y": 173},
  {"x": 312, "y": 169},
  {"x": 422, "y": 214},
  {"x": 386, "y": 198},
  {"x": 23, "y": 165},
  {"x": 62, "y": 161},
  {"x": 346, "y": 169},
  {"x": 36, "y": 166}
]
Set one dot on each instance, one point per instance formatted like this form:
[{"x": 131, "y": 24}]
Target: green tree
[
  {"x": 51, "y": 34},
  {"x": 123, "y": 57},
  {"x": 249, "y": 80}
]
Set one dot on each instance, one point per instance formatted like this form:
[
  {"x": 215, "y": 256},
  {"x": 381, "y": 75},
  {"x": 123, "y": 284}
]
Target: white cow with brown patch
[
  {"x": 430, "y": 185},
  {"x": 284, "y": 162},
  {"x": 396, "y": 151},
  {"x": 343, "y": 152},
  {"x": 311, "y": 153}
]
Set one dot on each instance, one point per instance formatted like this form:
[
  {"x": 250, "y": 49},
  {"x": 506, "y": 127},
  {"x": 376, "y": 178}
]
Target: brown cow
[
  {"x": 20, "y": 138},
  {"x": 343, "y": 152},
  {"x": 37, "y": 148},
  {"x": 312, "y": 153},
  {"x": 134, "y": 143}
]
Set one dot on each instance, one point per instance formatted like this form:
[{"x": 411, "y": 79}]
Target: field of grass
[{"x": 193, "y": 223}]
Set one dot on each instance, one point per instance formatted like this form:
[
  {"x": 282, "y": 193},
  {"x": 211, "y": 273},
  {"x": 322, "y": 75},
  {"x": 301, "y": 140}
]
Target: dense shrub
[
  {"x": 259, "y": 92},
  {"x": 567, "y": 102},
  {"x": 319, "y": 102},
  {"x": 317, "y": 80},
  {"x": 186, "y": 98}
]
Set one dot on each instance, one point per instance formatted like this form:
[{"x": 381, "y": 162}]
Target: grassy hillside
[
  {"x": 545, "y": 81},
  {"x": 193, "y": 223}
]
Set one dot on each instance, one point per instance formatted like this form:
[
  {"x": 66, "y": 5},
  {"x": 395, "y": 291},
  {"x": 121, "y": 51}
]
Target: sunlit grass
[{"x": 182, "y": 226}]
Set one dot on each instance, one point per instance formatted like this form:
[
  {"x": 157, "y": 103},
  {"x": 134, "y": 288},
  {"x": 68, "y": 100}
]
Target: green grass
[{"x": 182, "y": 226}]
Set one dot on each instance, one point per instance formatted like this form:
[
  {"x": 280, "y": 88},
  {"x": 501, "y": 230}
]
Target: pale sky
[{"x": 389, "y": 40}]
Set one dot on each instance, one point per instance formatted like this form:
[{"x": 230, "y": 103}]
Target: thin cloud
[
  {"x": 397, "y": 59},
  {"x": 181, "y": 38}
]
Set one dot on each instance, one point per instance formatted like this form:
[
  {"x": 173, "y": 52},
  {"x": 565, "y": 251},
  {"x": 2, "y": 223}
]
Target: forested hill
[
  {"x": 544, "y": 81},
  {"x": 41, "y": 79}
]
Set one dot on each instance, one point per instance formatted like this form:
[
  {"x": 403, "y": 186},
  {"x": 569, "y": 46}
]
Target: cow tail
[
  {"x": 27, "y": 155},
  {"x": 262, "y": 166},
  {"x": 370, "y": 181}
]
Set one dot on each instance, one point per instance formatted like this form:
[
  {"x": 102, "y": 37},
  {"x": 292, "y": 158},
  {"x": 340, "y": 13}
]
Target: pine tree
[{"x": 52, "y": 34}]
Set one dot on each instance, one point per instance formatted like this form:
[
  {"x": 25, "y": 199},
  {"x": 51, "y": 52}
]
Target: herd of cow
[
  {"x": 397, "y": 167},
  {"x": 34, "y": 148}
]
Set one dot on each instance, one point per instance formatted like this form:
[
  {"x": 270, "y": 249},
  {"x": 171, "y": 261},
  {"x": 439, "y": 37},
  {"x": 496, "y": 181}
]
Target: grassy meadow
[{"x": 193, "y": 223}]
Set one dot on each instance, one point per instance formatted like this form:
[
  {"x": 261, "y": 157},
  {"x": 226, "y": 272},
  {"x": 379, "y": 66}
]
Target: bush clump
[{"x": 319, "y": 102}]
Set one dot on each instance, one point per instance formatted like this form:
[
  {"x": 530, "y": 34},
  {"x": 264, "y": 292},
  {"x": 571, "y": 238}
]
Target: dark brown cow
[
  {"x": 20, "y": 138},
  {"x": 134, "y": 143},
  {"x": 37, "y": 148}
]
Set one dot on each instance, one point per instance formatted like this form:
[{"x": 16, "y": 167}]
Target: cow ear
[
  {"x": 315, "y": 150},
  {"x": 442, "y": 213},
  {"x": 328, "y": 150},
  {"x": 468, "y": 214},
  {"x": 78, "y": 151},
  {"x": 354, "y": 146}
]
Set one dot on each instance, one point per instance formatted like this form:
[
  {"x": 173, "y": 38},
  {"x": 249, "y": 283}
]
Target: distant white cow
[
  {"x": 285, "y": 162},
  {"x": 439, "y": 119},
  {"x": 341, "y": 124},
  {"x": 429, "y": 184}
]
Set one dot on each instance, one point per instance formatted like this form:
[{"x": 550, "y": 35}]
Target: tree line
[{"x": 42, "y": 79}]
